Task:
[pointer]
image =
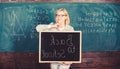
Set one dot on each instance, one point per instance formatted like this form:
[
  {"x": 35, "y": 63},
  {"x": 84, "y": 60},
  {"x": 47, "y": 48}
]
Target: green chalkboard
[{"x": 99, "y": 22}]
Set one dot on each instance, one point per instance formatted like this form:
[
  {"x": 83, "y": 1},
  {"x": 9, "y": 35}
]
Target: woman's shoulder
[{"x": 69, "y": 28}]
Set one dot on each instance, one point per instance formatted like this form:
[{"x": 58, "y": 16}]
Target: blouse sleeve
[{"x": 42, "y": 27}]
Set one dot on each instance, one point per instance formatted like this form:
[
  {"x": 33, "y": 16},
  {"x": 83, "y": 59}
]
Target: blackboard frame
[{"x": 80, "y": 46}]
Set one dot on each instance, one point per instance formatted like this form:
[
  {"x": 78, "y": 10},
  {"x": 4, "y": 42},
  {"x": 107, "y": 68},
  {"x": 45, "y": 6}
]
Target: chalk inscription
[
  {"x": 58, "y": 42},
  {"x": 53, "y": 54},
  {"x": 68, "y": 42}
]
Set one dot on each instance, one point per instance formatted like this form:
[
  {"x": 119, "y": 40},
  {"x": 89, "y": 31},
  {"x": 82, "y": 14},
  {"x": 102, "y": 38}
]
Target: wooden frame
[{"x": 75, "y": 60}]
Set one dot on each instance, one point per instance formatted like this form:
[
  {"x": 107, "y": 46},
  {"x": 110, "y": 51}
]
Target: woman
[{"x": 62, "y": 24}]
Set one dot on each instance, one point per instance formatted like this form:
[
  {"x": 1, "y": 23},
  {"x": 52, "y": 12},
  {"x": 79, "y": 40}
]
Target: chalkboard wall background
[{"x": 99, "y": 23}]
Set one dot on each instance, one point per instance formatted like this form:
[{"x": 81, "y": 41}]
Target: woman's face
[{"x": 60, "y": 17}]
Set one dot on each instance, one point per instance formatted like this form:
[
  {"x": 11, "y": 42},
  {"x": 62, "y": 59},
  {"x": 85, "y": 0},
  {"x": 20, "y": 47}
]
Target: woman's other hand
[{"x": 65, "y": 63}]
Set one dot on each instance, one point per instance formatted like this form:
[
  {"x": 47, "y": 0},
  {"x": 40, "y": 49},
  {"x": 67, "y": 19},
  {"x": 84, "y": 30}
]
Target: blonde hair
[{"x": 67, "y": 21}]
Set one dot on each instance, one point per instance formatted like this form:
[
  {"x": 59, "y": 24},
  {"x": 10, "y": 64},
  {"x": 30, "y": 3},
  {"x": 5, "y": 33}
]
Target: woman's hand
[
  {"x": 53, "y": 25},
  {"x": 65, "y": 63}
]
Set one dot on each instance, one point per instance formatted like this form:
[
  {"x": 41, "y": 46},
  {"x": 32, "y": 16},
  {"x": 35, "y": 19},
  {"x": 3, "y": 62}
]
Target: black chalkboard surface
[{"x": 60, "y": 46}]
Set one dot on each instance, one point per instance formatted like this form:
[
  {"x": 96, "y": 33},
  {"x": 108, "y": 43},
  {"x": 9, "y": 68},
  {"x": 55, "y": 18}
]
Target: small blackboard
[{"x": 60, "y": 46}]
